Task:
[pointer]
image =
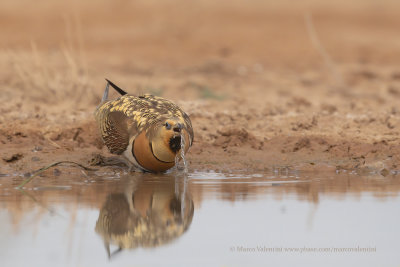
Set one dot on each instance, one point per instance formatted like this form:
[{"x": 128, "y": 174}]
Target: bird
[
  {"x": 144, "y": 215},
  {"x": 148, "y": 131}
]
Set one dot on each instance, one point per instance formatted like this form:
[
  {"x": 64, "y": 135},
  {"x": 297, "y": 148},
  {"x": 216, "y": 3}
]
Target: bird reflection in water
[{"x": 147, "y": 215}]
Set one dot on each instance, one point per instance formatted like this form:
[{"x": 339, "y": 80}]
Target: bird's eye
[{"x": 168, "y": 126}]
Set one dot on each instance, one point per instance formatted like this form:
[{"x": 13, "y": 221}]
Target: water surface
[{"x": 200, "y": 219}]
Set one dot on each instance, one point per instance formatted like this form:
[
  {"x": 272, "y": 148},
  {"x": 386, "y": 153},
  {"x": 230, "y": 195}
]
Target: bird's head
[{"x": 167, "y": 140}]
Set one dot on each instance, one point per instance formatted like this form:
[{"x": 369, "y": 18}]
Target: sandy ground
[{"x": 268, "y": 86}]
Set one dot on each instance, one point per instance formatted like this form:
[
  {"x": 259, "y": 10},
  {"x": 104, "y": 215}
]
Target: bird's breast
[{"x": 144, "y": 155}]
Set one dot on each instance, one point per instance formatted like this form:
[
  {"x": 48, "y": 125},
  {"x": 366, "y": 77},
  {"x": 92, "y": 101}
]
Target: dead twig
[{"x": 36, "y": 173}]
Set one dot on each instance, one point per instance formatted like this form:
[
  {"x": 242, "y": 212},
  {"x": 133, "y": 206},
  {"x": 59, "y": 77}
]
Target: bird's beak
[{"x": 178, "y": 127}]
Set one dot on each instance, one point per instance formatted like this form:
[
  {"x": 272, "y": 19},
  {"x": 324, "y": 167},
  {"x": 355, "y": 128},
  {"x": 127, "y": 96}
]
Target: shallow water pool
[{"x": 200, "y": 219}]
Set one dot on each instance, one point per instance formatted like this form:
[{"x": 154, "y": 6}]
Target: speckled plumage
[{"x": 123, "y": 119}]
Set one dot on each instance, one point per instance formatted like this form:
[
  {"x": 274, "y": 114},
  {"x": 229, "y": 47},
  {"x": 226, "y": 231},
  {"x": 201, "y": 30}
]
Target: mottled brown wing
[{"x": 115, "y": 132}]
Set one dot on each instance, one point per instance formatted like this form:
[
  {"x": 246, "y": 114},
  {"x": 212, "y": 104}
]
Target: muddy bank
[{"x": 224, "y": 148}]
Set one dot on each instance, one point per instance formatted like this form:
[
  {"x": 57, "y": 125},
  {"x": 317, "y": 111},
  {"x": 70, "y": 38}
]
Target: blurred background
[{"x": 51, "y": 50}]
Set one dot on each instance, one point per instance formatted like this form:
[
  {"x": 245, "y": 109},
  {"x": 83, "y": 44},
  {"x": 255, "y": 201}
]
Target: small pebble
[{"x": 37, "y": 148}]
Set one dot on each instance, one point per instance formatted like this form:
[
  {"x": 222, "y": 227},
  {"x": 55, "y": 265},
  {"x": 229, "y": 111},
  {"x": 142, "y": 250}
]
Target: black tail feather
[{"x": 119, "y": 90}]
